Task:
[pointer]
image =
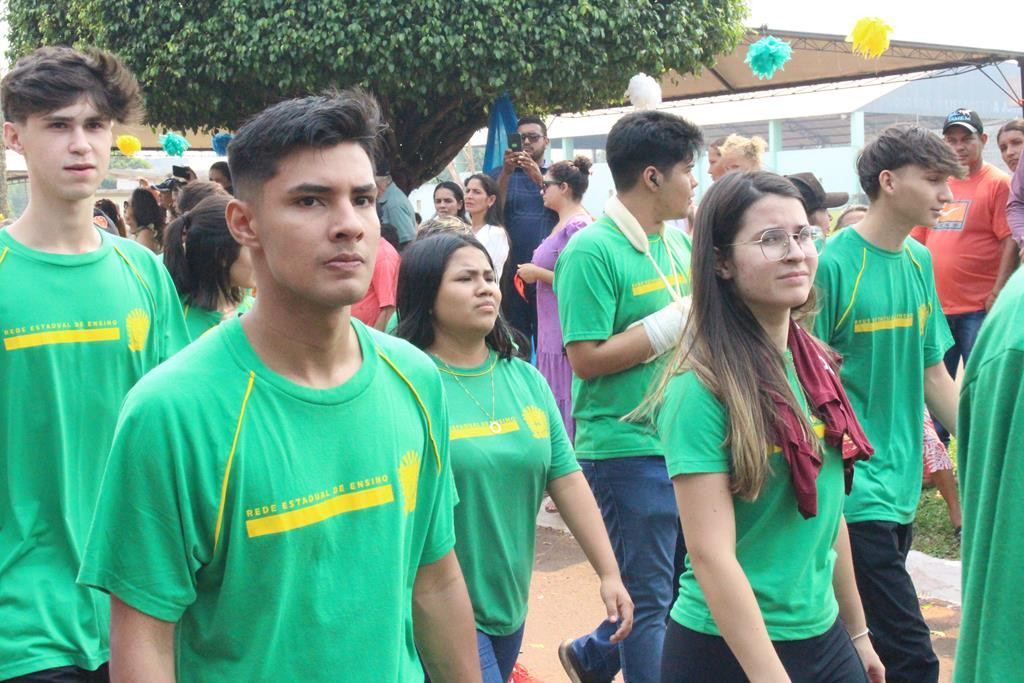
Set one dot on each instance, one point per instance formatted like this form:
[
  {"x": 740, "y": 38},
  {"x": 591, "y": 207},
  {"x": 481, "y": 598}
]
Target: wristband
[{"x": 860, "y": 635}]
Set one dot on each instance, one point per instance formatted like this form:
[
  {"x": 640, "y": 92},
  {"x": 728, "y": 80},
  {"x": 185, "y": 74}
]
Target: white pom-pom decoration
[{"x": 644, "y": 92}]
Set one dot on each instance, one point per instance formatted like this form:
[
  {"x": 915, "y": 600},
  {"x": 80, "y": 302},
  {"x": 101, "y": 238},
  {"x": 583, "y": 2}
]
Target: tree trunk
[{"x": 421, "y": 148}]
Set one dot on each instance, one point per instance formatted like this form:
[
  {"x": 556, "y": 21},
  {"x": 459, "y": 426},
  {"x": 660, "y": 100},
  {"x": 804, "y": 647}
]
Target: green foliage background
[{"x": 434, "y": 65}]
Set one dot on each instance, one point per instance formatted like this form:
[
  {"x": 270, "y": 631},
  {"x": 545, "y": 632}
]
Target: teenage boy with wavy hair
[
  {"x": 880, "y": 310},
  {"x": 269, "y": 534},
  {"x": 85, "y": 315}
]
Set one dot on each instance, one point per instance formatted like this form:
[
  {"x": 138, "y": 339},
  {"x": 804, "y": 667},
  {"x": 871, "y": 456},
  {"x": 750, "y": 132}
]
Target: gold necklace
[{"x": 492, "y": 423}]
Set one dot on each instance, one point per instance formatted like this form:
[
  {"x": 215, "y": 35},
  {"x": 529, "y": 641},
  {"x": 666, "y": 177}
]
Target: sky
[{"x": 991, "y": 24}]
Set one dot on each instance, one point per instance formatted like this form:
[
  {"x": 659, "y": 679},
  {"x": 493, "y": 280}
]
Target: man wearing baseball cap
[
  {"x": 973, "y": 253},
  {"x": 817, "y": 202}
]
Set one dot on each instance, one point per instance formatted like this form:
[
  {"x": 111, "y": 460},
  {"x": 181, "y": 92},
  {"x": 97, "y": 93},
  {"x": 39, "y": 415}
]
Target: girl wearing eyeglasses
[{"x": 753, "y": 418}]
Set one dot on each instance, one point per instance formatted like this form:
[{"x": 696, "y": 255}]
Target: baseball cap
[
  {"x": 814, "y": 195},
  {"x": 169, "y": 185},
  {"x": 968, "y": 118}
]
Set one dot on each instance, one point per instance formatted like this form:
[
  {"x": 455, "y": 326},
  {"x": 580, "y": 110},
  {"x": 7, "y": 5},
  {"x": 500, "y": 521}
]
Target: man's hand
[
  {"x": 527, "y": 163},
  {"x": 990, "y": 300},
  {"x": 511, "y": 162}
]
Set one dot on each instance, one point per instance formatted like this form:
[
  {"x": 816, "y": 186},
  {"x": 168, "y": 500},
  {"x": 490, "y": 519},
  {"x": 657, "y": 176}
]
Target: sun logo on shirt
[
  {"x": 537, "y": 420},
  {"x": 409, "y": 478},
  {"x": 138, "y": 329}
]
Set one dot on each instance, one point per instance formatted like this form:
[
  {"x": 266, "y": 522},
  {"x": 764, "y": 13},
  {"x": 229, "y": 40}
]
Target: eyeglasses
[
  {"x": 776, "y": 242},
  {"x": 549, "y": 183},
  {"x": 531, "y": 137}
]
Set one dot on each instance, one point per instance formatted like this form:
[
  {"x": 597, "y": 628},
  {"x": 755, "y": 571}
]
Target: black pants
[
  {"x": 898, "y": 631},
  {"x": 692, "y": 657},
  {"x": 65, "y": 674}
]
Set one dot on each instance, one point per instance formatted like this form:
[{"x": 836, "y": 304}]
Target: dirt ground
[{"x": 564, "y": 601}]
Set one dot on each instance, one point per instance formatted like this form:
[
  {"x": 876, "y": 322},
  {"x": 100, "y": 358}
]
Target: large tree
[{"x": 435, "y": 65}]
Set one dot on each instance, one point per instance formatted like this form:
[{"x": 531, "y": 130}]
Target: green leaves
[{"x": 439, "y": 64}]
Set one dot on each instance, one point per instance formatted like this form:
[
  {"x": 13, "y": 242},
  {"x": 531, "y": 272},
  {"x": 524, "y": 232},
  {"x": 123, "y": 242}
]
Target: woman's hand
[
  {"x": 529, "y": 272},
  {"x": 869, "y": 658},
  {"x": 619, "y": 605}
]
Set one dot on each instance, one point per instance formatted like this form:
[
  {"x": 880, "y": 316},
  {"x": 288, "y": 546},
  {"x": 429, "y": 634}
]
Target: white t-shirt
[{"x": 495, "y": 240}]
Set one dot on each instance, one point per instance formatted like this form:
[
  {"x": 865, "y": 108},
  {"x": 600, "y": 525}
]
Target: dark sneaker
[{"x": 569, "y": 662}]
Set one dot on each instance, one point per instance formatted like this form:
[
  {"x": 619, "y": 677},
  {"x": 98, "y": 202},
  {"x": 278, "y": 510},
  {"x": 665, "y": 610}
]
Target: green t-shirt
[
  {"x": 991, "y": 430},
  {"x": 787, "y": 559},
  {"x": 201, "y": 320},
  {"x": 603, "y": 286},
  {"x": 879, "y": 309},
  {"x": 279, "y": 532},
  {"x": 501, "y": 475},
  {"x": 78, "y": 331}
]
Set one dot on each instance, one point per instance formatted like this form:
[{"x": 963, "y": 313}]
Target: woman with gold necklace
[{"x": 508, "y": 444}]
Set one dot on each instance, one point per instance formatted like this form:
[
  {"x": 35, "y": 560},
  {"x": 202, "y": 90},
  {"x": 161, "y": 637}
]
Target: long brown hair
[{"x": 725, "y": 344}]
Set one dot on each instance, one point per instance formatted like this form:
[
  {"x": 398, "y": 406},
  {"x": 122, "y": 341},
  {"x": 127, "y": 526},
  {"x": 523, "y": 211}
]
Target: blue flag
[{"x": 503, "y": 121}]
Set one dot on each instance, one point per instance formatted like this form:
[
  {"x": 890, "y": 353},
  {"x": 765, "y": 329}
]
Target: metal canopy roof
[{"x": 820, "y": 58}]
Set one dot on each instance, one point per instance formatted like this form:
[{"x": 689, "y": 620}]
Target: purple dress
[{"x": 551, "y": 359}]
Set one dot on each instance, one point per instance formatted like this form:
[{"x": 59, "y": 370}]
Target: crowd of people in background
[{"x": 210, "y": 472}]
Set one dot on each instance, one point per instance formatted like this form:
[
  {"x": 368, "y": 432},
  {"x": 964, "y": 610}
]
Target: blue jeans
[
  {"x": 498, "y": 655},
  {"x": 965, "y": 328},
  {"x": 639, "y": 509}
]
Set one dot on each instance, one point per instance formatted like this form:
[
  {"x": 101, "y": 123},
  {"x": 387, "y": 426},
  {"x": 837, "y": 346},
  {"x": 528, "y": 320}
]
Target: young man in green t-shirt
[
  {"x": 83, "y": 315},
  {"x": 991, "y": 424},
  {"x": 880, "y": 310},
  {"x": 622, "y": 287},
  {"x": 252, "y": 524}
]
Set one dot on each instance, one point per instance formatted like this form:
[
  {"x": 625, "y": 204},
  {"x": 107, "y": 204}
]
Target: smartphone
[{"x": 515, "y": 142}]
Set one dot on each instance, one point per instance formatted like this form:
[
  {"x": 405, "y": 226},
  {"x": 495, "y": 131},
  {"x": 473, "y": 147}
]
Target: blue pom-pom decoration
[
  {"x": 174, "y": 144},
  {"x": 220, "y": 143},
  {"x": 767, "y": 56}
]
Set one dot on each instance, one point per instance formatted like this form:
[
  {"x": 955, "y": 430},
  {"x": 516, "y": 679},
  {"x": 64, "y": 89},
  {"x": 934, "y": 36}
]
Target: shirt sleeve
[
  {"x": 826, "y": 285},
  {"x": 437, "y": 485},
  {"x": 937, "y": 337},
  {"x": 693, "y": 427},
  {"x": 501, "y": 249},
  {"x": 563, "y": 458},
  {"x": 144, "y": 546},
  {"x": 385, "y": 280},
  {"x": 587, "y": 293},
  {"x": 1015, "y": 206},
  {"x": 175, "y": 334},
  {"x": 1001, "y": 197}
]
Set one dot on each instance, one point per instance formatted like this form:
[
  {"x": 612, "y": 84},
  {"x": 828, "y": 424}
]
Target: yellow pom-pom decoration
[
  {"x": 128, "y": 144},
  {"x": 870, "y": 37}
]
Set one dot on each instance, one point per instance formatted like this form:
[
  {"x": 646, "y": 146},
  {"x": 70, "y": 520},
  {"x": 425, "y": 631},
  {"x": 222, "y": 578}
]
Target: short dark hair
[
  {"x": 536, "y": 120},
  {"x": 899, "y": 146},
  {"x": 490, "y": 185},
  {"x": 147, "y": 211},
  {"x": 649, "y": 138},
  {"x": 419, "y": 279},
  {"x": 51, "y": 78},
  {"x": 318, "y": 121},
  {"x": 575, "y": 174},
  {"x": 195, "y": 192},
  {"x": 199, "y": 251}
]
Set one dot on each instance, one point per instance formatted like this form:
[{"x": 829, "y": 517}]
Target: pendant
[{"x": 494, "y": 426}]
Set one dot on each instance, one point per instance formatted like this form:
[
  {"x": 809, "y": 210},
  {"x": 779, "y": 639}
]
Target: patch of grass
[{"x": 933, "y": 532}]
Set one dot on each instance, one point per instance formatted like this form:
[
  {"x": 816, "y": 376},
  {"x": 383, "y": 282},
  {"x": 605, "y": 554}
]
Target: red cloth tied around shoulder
[{"x": 817, "y": 371}]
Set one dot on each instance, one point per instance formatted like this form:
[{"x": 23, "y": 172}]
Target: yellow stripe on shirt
[
  {"x": 318, "y": 512},
  {"x": 657, "y": 283},
  {"x": 888, "y": 323},
  {"x": 475, "y": 429},
  {"x": 95, "y": 334}
]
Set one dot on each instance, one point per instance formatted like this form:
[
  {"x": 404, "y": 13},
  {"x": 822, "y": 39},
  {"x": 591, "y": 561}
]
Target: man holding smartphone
[{"x": 526, "y": 220}]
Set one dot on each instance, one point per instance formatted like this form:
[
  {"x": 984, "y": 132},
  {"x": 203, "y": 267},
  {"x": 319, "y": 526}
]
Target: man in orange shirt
[
  {"x": 376, "y": 308},
  {"x": 973, "y": 253}
]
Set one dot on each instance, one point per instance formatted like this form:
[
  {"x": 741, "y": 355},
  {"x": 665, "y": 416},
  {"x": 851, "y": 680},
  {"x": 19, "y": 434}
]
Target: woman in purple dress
[{"x": 563, "y": 188}]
